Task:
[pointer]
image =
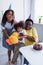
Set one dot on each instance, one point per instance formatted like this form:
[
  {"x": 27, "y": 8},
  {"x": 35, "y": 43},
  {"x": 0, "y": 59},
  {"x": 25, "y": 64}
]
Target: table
[{"x": 34, "y": 57}]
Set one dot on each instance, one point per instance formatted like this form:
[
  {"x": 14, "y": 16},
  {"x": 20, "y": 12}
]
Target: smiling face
[
  {"x": 19, "y": 29},
  {"x": 10, "y": 16},
  {"x": 29, "y": 25}
]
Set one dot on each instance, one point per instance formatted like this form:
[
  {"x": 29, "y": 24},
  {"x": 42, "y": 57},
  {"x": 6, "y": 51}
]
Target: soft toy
[{"x": 13, "y": 39}]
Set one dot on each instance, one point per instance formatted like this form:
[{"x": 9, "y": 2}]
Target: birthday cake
[{"x": 37, "y": 46}]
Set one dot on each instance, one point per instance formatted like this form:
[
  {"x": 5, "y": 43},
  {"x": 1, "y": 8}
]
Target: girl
[
  {"x": 7, "y": 29},
  {"x": 22, "y": 34}
]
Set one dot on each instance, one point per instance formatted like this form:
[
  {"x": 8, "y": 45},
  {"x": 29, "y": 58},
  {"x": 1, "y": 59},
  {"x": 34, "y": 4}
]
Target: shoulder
[{"x": 33, "y": 28}]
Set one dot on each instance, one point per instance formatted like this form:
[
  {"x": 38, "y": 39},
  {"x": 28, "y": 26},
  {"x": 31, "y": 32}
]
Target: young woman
[
  {"x": 7, "y": 29},
  {"x": 32, "y": 36}
]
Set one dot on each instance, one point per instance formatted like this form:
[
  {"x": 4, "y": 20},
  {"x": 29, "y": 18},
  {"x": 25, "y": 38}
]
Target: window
[{"x": 39, "y": 11}]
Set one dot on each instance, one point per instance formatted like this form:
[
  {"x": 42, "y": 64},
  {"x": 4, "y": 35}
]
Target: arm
[
  {"x": 35, "y": 35},
  {"x": 5, "y": 33},
  {"x": 30, "y": 38},
  {"x": 22, "y": 35}
]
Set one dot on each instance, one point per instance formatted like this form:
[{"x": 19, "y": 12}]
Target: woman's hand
[
  {"x": 5, "y": 33},
  {"x": 30, "y": 38}
]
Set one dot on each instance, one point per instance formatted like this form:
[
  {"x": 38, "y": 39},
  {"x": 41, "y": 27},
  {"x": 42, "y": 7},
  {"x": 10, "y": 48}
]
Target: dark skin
[
  {"x": 5, "y": 33},
  {"x": 30, "y": 38},
  {"x": 28, "y": 27}
]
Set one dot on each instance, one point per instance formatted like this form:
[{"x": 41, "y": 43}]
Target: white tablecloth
[{"x": 34, "y": 57}]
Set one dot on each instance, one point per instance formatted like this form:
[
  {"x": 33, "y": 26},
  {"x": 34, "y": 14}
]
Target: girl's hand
[{"x": 25, "y": 36}]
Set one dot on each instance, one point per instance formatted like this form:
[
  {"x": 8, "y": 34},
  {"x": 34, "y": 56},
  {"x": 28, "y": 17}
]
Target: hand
[
  {"x": 25, "y": 36},
  {"x": 30, "y": 38}
]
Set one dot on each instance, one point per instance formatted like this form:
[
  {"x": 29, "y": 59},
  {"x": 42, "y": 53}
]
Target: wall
[
  {"x": 32, "y": 8},
  {"x": 26, "y": 8},
  {"x": 21, "y": 8},
  {"x": 39, "y": 28}
]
